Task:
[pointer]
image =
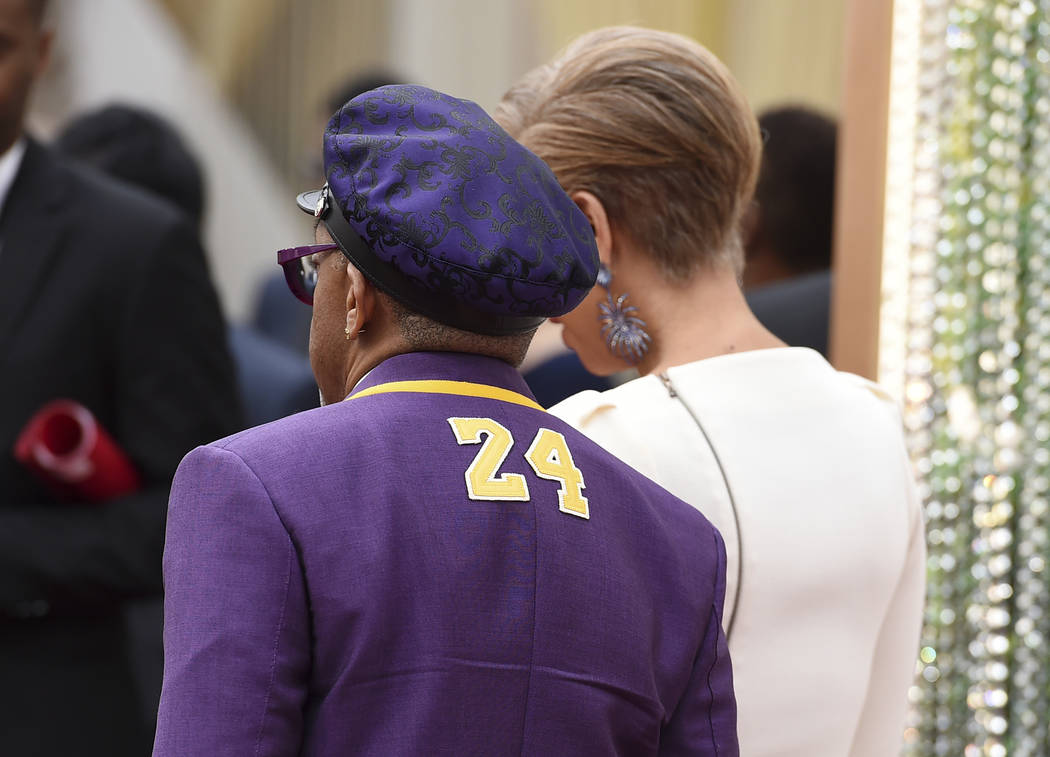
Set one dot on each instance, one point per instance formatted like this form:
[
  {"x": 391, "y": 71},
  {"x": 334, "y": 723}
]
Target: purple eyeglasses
[{"x": 300, "y": 271}]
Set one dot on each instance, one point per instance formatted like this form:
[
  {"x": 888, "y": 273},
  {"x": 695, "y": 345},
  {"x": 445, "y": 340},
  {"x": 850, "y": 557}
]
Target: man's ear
[
  {"x": 594, "y": 210},
  {"x": 360, "y": 301}
]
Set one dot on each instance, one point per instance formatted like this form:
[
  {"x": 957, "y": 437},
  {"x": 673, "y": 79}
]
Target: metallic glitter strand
[
  {"x": 1029, "y": 701},
  {"x": 973, "y": 362}
]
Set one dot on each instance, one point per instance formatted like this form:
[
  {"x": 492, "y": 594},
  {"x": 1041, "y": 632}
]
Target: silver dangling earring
[{"x": 624, "y": 332}]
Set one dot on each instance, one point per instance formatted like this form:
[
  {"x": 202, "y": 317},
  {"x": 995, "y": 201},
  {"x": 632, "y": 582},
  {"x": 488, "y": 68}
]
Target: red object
[{"x": 69, "y": 451}]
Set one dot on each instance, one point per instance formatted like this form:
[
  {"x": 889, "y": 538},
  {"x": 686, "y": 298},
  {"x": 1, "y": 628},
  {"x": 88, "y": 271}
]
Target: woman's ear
[
  {"x": 594, "y": 210},
  {"x": 360, "y": 301}
]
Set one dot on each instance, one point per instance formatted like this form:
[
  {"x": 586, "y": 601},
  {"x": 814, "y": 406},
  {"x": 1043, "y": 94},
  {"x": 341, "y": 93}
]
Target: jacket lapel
[{"x": 31, "y": 230}]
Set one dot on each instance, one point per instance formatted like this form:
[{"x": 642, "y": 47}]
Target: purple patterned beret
[{"x": 445, "y": 212}]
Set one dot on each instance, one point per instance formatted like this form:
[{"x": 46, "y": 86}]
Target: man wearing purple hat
[{"x": 432, "y": 564}]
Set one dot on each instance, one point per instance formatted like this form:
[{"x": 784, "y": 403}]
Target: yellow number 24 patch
[{"x": 548, "y": 455}]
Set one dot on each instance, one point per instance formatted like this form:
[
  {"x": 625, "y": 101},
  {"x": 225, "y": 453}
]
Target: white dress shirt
[
  {"x": 823, "y": 530},
  {"x": 9, "y": 164}
]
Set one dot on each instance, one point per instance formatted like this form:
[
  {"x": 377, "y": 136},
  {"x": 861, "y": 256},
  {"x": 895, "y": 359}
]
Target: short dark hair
[
  {"x": 138, "y": 147},
  {"x": 796, "y": 187},
  {"x": 38, "y": 8},
  {"x": 423, "y": 333}
]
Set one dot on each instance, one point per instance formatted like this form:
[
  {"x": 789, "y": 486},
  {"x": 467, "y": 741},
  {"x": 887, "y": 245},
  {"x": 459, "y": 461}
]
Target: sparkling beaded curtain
[{"x": 965, "y": 335}]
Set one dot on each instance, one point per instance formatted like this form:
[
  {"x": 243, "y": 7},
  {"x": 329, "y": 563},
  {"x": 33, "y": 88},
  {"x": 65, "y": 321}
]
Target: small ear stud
[{"x": 347, "y": 332}]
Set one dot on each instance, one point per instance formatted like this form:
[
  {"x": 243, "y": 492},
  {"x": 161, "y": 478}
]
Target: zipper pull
[{"x": 667, "y": 383}]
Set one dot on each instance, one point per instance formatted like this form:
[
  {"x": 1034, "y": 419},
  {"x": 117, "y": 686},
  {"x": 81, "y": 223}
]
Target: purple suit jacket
[{"x": 391, "y": 576}]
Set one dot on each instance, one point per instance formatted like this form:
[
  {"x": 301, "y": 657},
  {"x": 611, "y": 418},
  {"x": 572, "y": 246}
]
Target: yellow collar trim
[{"x": 462, "y": 388}]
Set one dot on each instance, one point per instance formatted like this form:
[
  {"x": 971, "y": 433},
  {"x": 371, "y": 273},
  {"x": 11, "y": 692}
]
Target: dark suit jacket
[
  {"x": 105, "y": 299},
  {"x": 796, "y": 310},
  {"x": 274, "y": 381},
  {"x": 562, "y": 376}
]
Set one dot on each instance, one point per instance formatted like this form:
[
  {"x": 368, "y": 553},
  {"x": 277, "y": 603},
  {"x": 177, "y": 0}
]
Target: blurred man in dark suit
[
  {"x": 142, "y": 149},
  {"x": 788, "y": 232},
  {"x": 105, "y": 300}
]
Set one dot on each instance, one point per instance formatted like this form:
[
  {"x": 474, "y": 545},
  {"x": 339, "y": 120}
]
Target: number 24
[{"x": 548, "y": 455}]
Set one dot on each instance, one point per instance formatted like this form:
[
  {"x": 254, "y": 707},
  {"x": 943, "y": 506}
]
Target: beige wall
[
  {"x": 779, "y": 50},
  {"x": 226, "y": 33},
  {"x": 279, "y": 59},
  {"x": 705, "y": 21},
  {"x": 469, "y": 48},
  {"x": 787, "y": 50},
  {"x": 860, "y": 189}
]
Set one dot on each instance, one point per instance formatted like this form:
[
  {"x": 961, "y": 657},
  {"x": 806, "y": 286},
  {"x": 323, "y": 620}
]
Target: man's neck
[{"x": 368, "y": 357}]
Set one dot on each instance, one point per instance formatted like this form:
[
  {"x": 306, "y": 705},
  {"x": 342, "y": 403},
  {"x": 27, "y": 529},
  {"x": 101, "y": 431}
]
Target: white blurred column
[
  {"x": 468, "y": 48},
  {"x": 129, "y": 51}
]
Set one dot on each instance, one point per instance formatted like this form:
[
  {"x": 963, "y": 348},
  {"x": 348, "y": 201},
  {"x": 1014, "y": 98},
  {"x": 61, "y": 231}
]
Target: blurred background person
[
  {"x": 105, "y": 300},
  {"x": 562, "y": 374},
  {"x": 803, "y": 469},
  {"x": 142, "y": 149},
  {"x": 788, "y": 228}
]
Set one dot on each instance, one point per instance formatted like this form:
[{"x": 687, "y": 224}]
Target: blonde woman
[{"x": 801, "y": 467}]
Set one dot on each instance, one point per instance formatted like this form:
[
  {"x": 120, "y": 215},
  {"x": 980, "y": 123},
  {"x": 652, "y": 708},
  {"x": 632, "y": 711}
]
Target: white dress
[{"x": 826, "y": 548}]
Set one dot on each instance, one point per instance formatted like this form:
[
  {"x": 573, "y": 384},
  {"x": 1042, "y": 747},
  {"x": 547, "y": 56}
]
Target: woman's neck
[{"x": 705, "y": 317}]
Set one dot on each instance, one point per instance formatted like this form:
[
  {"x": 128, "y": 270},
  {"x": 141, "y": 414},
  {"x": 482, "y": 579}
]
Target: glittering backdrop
[{"x": 965, "y": 340}]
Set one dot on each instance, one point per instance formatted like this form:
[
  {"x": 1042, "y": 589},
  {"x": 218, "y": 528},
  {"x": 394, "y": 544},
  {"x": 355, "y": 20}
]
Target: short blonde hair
[{"x": 656, "y": 128}]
